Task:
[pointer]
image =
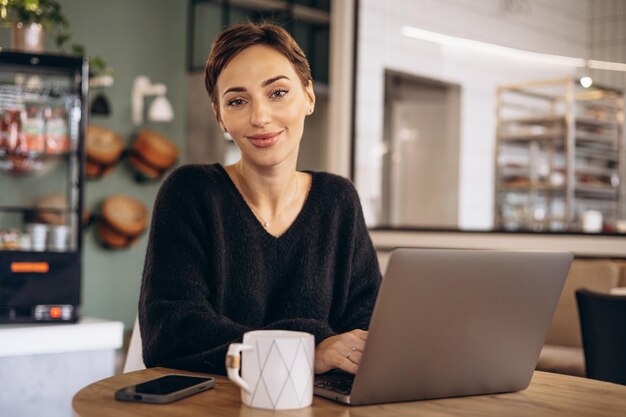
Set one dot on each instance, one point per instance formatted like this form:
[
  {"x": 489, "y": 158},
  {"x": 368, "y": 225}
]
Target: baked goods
[
  {"x": 143, "y": 168},
  {"x": 110, "y": 238},
  {"x": 104, "y": 148},
  {"x": 58, "y": 215},
  {"x": 52, "y": 209},
  {"x": 123, "y": 220},
  {"x": 152, "y": 154}
]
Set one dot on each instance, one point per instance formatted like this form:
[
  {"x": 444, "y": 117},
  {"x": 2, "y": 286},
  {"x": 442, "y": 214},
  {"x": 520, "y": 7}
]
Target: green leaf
[{"x": 78, "y": 49}]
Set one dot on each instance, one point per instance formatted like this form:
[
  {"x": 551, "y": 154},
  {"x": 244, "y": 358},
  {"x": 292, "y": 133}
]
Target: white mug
[{"x": 276, "y": 369}]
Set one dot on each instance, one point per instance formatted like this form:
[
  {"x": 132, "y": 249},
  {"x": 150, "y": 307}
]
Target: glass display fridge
[{"x": 42, "y": 125}]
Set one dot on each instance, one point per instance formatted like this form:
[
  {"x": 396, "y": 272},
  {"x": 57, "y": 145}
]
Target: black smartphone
[{"x": 165, "y": 389}]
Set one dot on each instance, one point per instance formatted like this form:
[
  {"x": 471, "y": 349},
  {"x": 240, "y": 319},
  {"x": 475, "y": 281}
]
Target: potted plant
[{"x": 30, "y": 20}]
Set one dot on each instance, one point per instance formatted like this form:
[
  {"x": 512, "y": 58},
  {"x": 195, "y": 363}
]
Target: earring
[{"x": 311, "y": 110}]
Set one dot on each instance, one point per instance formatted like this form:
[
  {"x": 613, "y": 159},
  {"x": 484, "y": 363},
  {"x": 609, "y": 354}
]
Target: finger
[
  {"x": 361, "y": 334},
  {"x": 353, "y": 341},
  {"x": 355, "y": 357},
  {"x": 349, "y": 366}
]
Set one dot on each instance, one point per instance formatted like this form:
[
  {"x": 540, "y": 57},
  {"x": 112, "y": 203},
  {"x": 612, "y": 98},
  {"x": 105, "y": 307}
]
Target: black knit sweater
[{"x": 212, "y": 272}]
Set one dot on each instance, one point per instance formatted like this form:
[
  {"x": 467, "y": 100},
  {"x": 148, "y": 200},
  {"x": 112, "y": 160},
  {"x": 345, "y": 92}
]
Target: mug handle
[{"x": 233, "y": 364}]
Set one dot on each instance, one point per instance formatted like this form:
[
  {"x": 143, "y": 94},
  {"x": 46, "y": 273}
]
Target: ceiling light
[
  {"x": 605, "y": 65},
  {"x": 586, "y": 82},
  {"x": 505, "y": 51}
]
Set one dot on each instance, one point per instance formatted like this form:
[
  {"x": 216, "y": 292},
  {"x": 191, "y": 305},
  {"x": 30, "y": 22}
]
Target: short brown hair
[{"x": 241, "y": 36}]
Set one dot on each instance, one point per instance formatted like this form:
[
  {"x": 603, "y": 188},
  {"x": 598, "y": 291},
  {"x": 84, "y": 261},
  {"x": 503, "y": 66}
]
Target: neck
[{"x": 267, "y": 190}]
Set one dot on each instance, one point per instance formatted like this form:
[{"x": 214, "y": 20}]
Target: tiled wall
[
  {"x": 608, "y": 39},
  {"x": 550, "y": 26}
]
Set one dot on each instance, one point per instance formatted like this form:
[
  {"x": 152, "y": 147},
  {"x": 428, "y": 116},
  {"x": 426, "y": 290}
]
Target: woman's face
[{"x": 262, "y": 105}]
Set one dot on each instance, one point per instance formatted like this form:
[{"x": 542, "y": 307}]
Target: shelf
[
  {"x": 556, "y": 119},
  {"x": 605, "y": 172},
  {"x": 556, "y": 134},
  {"x": 590, "y": 121},
  {"x": 533, "y": 120},
  {"x": 545, "y": 219},
  {"x": 30, "y": 162},
  {"x": 531, "y": 187},
  {"x": 526, "y": 137},
  {"x": 579, "y": 137},
  {"x": 605, "y": 191},
  {"x": 594, "y": 189},
  {"x": 32, "y": 154},
  {"x": 601, "y": 107},
  {"x": 596, "y": 95},
  {"x": 37, "y": 91},
  {"x": 9, "y": 209},
  {"x": 36, "y": 253},
  {"x": 595, "y": 153},
  {"x": 514, "y": 171},
  {"x": 594, "y": 137}
]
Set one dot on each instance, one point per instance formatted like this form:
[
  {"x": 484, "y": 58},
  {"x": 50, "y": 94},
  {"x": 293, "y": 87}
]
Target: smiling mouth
[{"x": 264, "y": 140}]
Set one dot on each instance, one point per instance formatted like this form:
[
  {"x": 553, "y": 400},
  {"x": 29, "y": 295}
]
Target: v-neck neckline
[{"x": 250, "y": 216}]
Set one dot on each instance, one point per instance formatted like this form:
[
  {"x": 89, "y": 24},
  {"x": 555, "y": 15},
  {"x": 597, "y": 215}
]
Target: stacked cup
[
  {"x": 38, "y": 235},
  {"x": 58, "y": 237}
]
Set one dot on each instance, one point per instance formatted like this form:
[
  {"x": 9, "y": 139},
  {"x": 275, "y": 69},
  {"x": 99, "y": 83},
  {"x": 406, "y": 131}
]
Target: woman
[{"x": 257, "y": 244}]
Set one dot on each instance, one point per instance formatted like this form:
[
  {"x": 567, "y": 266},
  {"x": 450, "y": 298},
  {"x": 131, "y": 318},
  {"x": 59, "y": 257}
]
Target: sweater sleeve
[
  {"x": 365, "y": 276},
  {"x": 179, "y": 327}
]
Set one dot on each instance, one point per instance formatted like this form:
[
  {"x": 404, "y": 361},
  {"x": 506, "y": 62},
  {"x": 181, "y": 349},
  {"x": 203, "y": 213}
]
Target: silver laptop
[{"x": 450, "y": 323}]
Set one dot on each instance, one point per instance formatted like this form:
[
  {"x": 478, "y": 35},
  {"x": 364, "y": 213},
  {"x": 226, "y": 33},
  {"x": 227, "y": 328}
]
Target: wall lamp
[{"x": 160, "y": 109}]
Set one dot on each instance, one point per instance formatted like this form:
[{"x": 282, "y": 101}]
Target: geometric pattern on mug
[{"x": 290, "y": 382}]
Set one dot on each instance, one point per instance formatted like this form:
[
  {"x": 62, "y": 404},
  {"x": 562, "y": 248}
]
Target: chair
[
  {"x": 134, "y": 356},
  {"x": 603, "y": 327},
  {"x": 563, "y": 351}
]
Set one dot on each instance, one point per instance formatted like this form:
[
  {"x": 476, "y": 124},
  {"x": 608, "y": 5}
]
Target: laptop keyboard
[{"x": 337, "y": 381}]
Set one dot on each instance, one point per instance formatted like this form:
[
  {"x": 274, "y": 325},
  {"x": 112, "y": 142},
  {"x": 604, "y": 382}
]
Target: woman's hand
[{"x": 343, "y": 351}]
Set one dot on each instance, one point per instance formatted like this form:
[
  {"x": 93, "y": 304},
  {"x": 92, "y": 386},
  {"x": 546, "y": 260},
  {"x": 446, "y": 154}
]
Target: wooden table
[{"x": 548, "y": 395}]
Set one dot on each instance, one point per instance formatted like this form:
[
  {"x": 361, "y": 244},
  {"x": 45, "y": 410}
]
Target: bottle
[
  {"x": 4, "y": 145},
  {"x": 13, "y": 130},
  {"x": 33, "y": 128},
  {"x": 57, "y": 138}
]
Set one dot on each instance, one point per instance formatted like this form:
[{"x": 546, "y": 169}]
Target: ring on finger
[{"x": 351, "y": 352}]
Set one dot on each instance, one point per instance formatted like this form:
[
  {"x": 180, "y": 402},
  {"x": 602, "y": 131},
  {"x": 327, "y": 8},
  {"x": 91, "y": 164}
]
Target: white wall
[
  {"x": 608, "y": 39},
  {"x": 550, "y": 26}
]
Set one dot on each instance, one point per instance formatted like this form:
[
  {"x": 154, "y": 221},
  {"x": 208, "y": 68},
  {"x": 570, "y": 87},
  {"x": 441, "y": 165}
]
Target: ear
[
  {"x": 308, "y": 90},
  {"x": 217, "y": 116}
]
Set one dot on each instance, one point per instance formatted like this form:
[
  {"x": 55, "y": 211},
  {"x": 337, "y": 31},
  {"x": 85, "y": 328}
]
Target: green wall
[{"x": 135, "y": 37}]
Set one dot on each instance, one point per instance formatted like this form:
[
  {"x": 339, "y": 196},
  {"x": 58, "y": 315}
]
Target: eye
[
  {"x": 281, "y": 92},
  {"x": 236, "y": 102}
]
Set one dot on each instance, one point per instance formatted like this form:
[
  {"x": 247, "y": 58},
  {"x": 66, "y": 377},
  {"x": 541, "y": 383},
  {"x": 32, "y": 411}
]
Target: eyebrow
[{"x": 263, "y": 84}]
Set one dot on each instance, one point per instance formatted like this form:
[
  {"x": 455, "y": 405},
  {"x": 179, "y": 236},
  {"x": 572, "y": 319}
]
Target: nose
[{"x": 260, "y": 115}]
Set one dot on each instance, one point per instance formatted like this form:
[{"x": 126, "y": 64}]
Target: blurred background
[
  {"x": 447, "y": 115},
  {"x": 462, "y": 123}
]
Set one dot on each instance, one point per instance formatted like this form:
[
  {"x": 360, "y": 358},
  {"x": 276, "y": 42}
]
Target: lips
[{"x": 264, "y": 140}]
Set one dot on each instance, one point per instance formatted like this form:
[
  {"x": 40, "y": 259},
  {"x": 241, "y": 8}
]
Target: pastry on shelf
[{"x": 52, "y": 209}]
